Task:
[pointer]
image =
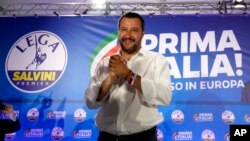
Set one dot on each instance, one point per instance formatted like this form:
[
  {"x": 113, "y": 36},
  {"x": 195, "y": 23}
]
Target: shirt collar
[{"x": 142, "y": 52}]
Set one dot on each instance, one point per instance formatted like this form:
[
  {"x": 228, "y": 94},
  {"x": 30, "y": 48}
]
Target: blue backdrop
[{"x": 46, "y": 64}]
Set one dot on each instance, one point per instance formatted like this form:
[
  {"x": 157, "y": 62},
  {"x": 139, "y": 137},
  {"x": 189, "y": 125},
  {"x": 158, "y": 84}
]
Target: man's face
[{"x": 130, "y": 34}]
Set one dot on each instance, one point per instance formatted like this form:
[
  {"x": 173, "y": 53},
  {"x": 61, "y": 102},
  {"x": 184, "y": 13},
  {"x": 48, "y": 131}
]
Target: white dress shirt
[{"x": 125, "y": 110}]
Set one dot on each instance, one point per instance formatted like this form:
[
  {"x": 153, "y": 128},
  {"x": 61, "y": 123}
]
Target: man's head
[{"x": 131, "y": 31}]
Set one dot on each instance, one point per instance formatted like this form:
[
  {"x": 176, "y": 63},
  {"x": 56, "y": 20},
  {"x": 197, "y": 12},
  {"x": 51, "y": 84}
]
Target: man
[
  {"x": 8, "y": 122},
  {"x": 128, "y": 86}
]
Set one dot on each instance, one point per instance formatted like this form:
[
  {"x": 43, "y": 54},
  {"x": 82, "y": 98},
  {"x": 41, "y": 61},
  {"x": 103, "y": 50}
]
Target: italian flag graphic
[{"x": 107, "y": 47}]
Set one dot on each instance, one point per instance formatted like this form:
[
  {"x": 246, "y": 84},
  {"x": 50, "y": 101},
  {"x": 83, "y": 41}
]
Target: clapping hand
[{"x": 118, "y": 66}]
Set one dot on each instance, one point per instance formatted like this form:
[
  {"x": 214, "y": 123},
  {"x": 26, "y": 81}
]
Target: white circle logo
[
  {"x": 33, "y": 114},
  {"x": 80, "y": 115},
  {"x": 177, "y": 116},
  {"x": 160, "y": 135},
  {"x": 228, "y": 117},
  {"x": 208, "y": 135},
  {"x": 36, "y": 61},
  {"x": 57, "y": 133}
]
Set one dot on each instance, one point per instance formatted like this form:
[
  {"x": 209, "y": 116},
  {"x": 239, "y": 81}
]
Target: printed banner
[{"x": 46, "y": 64}]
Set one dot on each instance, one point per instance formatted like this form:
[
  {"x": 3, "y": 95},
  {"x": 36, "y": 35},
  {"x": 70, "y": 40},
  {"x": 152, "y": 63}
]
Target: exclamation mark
[{"x": 238, "y": 63}]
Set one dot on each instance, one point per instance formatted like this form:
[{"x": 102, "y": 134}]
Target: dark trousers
[{"x": 148, "y": 135}]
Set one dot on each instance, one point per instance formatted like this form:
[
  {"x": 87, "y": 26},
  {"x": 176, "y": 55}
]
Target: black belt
[{"x": 140, "y": 135}]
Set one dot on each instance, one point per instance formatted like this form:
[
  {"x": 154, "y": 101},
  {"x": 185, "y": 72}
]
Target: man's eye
[{"x": 135, "y": 30}]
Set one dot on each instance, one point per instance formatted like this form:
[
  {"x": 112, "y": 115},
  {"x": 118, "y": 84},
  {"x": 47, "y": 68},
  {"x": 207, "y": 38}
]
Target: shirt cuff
[{"x": 93, "y": 92}]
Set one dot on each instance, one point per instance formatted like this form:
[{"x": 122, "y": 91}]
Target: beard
[{"x": 129, "y": 49}]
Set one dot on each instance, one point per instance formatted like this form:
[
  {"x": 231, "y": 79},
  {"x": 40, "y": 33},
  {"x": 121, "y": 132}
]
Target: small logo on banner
[
  {"x": 227, "y": 137},
  {"x": 83, "y": 133},
  {"x": 228, "y": 117},
  {"x": 177, "y": 116},
  {"x": 34, "y": 132},
  {"x": 239, "y": 132},
  {"x": 57, "y": 133},
  {"x": 36, "y": 61},
  {"x": 203, "y": 117},
  {"x": 33, "y": 114},
  {"x": 160, "y": 135},
  {"x": 247, "y": 118},
  {"x": 10, "y": 136},
  {"x": 56, "y": 115},
  {"x": 182, "y": 135},
  {"x": 208, "y": 135},
  {"x": 79, "y": 115}
]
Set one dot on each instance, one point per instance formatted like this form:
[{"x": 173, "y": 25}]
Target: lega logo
[{"x": 36, "y": 61}]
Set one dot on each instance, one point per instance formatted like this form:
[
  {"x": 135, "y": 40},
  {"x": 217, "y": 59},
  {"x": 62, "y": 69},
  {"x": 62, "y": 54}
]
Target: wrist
[
  {"x": 133, "y": 78},
  {"x": 112, "y": 76},
  {"x": 129, "y": 75}
]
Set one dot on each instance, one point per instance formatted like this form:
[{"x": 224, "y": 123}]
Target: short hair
[{"x": 133, "y": 15}]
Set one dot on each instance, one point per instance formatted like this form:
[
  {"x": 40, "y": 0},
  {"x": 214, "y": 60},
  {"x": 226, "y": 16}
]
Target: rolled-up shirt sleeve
[
  {"x": 91, "y": 95},
  {"x": 92, "y": 91},
  {"x": 157, "y": 90}
]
